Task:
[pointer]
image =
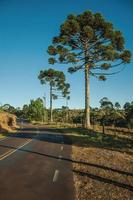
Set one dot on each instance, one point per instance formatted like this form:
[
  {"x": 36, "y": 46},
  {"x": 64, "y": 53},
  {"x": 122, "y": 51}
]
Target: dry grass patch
[
  {"x": 102, "y": 174},
  {"x": 1, "y": 136},
  {"x": 7, "y": 122}
]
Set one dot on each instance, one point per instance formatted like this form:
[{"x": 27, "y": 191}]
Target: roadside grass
[
  {"x": 53, "y": 124},
  {"x": 1, "y": 136},
  {"x": 9, "y": 133},
  {"x": 88, "y": 138}
]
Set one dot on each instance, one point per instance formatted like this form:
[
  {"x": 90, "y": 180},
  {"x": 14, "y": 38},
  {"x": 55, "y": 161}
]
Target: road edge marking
[
  {"x": 3, "y": 138},
  {"x": 7, "y": 154}
]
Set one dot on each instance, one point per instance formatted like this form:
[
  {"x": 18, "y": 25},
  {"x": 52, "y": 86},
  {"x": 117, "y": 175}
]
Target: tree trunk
[
  {"x": 51, "y": 114},
  {"x": 67, "y": 111},
  {"x": 103, "y": 128},
  {"x": 87, "y": 98}
]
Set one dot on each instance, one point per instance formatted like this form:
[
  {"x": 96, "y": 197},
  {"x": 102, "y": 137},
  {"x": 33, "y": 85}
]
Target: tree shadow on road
[
  {"x": 78, "y": 137},
  {"x": 90, "y": 175},
  {"x": 82, "y": 138}
]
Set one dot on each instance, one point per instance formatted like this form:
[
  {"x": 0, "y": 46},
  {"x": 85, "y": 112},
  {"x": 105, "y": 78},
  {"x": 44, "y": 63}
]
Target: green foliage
[
  {"x": 90, "y": 43},
  {"x": 106, "y": 103},
  {"x": 34, "y": 111},
  {"x": 11, "y": 109},
  {"x": 8, "y": 108},
  {"x": 57, "y": 82},
  {"x": 71, "y": 116},
  {"x": 102, "y": 78},
  {"x": 56, "y": 79},
  {"x": 128, "y": 107},
  {"x": 117, "y": 105},
  {"x": 110, "y": 114},
  {"x": 88, "y": 39}
]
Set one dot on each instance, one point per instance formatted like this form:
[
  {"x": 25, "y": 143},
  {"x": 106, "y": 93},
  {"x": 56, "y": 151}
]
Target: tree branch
[
  {"x": 108, "y": 74},
  {"x": 112, "y": 66}
]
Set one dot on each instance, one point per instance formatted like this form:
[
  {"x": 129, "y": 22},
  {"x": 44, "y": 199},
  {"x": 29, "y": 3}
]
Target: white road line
[
  {"x": 60, "y": 158},
  {"x": 4, "y": 138},
  {"x": 56, "y": 174},
  {"x": 37, "y": 131},
  {"x": 5, "y": 155},
  {"x": 62, "y": 148}
]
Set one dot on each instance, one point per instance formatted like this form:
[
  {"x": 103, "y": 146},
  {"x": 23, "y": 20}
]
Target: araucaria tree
[
  {"x": 88, "y": 42},
  {"x": 57, "y": 82}
]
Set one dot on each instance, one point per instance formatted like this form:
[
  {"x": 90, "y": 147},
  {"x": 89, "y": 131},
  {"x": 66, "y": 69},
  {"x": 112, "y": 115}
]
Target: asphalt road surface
[{"x": 34, "y": 166}]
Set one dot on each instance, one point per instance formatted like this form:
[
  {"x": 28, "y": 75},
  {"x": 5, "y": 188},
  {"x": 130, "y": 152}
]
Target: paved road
[{"x": 32, "y": 168}]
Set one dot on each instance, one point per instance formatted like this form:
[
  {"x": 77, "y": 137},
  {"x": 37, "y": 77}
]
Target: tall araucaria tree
[
  {"x": 57, "y": 82},
  {"x": 88, "y": 42}
]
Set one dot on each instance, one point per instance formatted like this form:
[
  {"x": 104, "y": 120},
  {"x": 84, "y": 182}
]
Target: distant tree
[
  {"x": 128, "y": 108},
  {"x": 105, "y": 111},
  {"x": 19, "y": 112},
  {"x": 110, "y": 115},
  {"x": 34, "y": 111},
  {"x": 57, "y": 82},
  {"x": 9, "y": 108},
  {"x": 76, "y": 116},
  {"x": 89, "y": 43},
  {"x": 126, "y": 105},
  {"x": 95, "y": 116},
  {"x": 106, "y": 103},
  {"x": 117, "y": 105},
  {"x": 26, "y": 111}
]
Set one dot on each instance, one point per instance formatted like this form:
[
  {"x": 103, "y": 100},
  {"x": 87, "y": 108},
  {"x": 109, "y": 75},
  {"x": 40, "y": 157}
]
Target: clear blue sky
[{"x": 26, "y": 29}]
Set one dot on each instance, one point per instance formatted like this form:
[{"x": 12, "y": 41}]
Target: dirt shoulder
[
  {"x": 106, "y": 174},
  {"x": 103, "y": 165}
]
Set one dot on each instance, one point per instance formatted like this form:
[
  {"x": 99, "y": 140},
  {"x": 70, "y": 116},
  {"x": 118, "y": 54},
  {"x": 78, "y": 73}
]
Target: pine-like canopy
[
  {"x": 56, "y": 79},
  {"x": 87, "y": 39}
]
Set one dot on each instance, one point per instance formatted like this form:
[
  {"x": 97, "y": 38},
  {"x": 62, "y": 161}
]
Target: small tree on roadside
[
  {"x": 110, "y": 114},
  {"x": 89, "y": 43},
  {"x": 128, "y": 109},
  {"x": 56, "y": 80},
  {"x": 34, "y": 110}
]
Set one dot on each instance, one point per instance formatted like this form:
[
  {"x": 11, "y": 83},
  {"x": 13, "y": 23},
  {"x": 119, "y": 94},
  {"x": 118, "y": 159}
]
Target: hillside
[{"x": 7, "y": 122}]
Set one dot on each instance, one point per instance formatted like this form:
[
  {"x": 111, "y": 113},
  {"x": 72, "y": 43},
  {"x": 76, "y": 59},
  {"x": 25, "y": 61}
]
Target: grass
[
  {"x": 88, "y": 138},
  {"x": 1, "y": 136},
  {"x": 5, "y": 133}
]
